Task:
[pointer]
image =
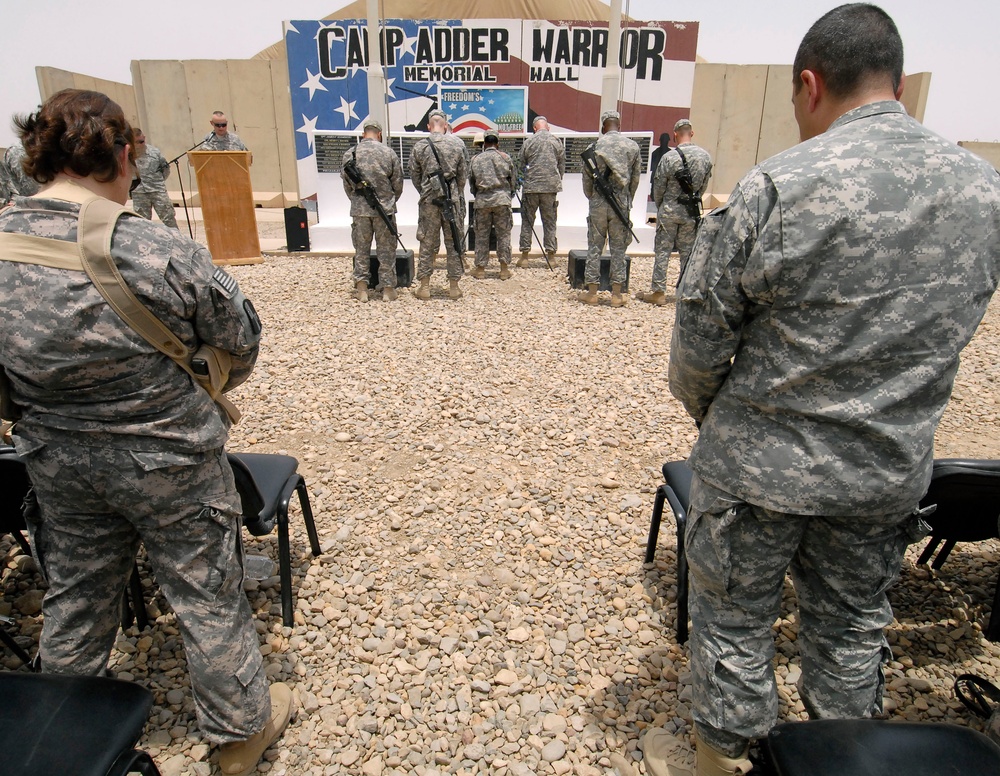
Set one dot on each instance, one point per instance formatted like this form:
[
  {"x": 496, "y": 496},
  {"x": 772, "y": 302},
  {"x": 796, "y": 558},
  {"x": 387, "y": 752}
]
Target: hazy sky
[{"x": 957, "y": 41}]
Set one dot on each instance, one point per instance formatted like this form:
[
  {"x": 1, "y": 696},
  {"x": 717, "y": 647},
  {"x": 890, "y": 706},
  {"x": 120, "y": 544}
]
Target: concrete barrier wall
[
  {"x": 988, "y": 151},
  {"x": 52, "y": 80}
]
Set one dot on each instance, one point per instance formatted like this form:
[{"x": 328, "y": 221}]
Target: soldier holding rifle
[
  {"x": 373, "y": 179},
  {"x": 610, "y": 180},
  {"x": 438, "y": 169}
]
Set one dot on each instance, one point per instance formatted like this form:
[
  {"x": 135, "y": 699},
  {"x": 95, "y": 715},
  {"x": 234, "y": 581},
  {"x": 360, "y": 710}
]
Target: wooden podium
[{"x": 227, "y": 205}]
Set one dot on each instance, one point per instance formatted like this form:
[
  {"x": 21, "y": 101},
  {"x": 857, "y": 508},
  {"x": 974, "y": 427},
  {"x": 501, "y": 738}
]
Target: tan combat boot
[
  {"x": 590, "y": 295},
  {"x": 712, "y": 762},
  {"x": 504, "y": 271},
  {"x": 388, "y": 294},
  {"x": 361, "y": 291},
  {"x": 424, "y": 292},
  {"x": 479, "y": 273},
  {"x": 454, "y": 292},
  {"x": 617, "y": 300},
  {"x": 658, "y": 298},
  {"x": 240, "y": 758},
  {"x": 551, "y": 255},
  {"x": 523, "y": 261}
]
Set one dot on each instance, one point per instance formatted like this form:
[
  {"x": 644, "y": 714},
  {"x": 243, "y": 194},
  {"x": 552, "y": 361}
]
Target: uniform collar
[{"x": 871, "y": 109}]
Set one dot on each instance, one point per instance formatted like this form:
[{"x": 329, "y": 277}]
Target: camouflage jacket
[
  {"x": 542, "y": 162},
  {"x": 620, "y": 154},
  {"x": 667, "y": 189},
  {"x": 228, "y": 142},
  {"x": 424, "y": 166},
  {"x": 153, "y": 170},
  {"x": 822, "y": 311},
  {"x": 491, "y": 177},
  {"x": 381, "y": 168},
  {"x": 79, "y": 372},
  {"x": 13, "y": 179}
]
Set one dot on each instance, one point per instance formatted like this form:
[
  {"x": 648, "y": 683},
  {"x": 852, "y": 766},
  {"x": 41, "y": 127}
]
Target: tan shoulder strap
[{"x": 98, "y": 218}]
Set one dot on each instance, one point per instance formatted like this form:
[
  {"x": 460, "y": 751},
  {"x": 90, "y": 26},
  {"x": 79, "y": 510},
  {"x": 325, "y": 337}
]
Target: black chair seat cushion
[
  {"x": 866, "y": 747},
  {"x": 967, "y": 493},
  {"x": 68, "y": 724},
  {"x": 269, "y": 474}
]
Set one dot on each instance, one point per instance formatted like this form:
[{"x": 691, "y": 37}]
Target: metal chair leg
[
  {"x": 654, "y": 524},
  {"x": 307, "y": 516},
  {"x": 682, "y": 583},
  {"x": 285, "y": 569}
]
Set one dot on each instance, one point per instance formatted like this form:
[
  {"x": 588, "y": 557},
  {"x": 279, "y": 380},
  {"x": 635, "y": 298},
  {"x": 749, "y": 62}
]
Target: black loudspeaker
[
  {"x": 472, "y": 231},
  {"x": 296, "y": 229},
  {"x": 577, "y": 266},
  {"x": 404, "y": 269}
]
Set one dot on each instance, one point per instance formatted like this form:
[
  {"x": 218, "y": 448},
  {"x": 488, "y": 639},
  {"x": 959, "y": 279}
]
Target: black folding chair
[
  {"x": 676, "y": 491},
  {"x": 79, "y": 725}
]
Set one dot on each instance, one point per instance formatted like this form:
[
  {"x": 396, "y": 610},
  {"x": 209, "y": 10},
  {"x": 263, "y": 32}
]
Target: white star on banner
[
  {"x": 454, "y": 106},
  {"x": 491, "y": 102},
  {"x": 289, "y": 27},
  {"x": 313, "y": 84},
  {"x": 308, "y": 128},
  {"x": 346, "y": 110},
  {"x": 388, "y": 88},
  {"x": 408, "y": 46}
]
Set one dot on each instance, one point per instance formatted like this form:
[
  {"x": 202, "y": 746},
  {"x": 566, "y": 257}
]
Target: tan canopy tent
[{"x": 587, "y": 10}]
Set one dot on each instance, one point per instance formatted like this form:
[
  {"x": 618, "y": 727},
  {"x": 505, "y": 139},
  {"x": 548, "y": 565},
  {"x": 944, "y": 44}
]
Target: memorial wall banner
[{"x": 556, "y": 69}]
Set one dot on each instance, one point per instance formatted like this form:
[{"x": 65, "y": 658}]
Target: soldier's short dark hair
[
  {"x": 77, "y": 131},
  {"x": 849, "y": 45}
]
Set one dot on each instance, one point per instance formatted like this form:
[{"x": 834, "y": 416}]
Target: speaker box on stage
[
  {"x": 472, "y": 231},
  {"x": 296, "y": 229},
  {"x": 404, "y": 269},
  {"x": 577, "y": 266}
]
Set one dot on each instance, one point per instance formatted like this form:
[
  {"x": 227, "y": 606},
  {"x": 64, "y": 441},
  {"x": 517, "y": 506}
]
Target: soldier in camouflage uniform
[
  {"x": 430, "y": 216},
  {"x": 13, "y": 180},
  {"x": 220, "y": 138},
  {"x": 675, "y": 219},
  {"x": 618, "y": 160},
  {"x": 382, "y": 171},
  {"x": 818, "y": 329},
  {"x": 152, "y": 190},
  {"x": 543, "y": 164},
  {"x": 121, "y": 445},
  {"x": 491, "y": 178}
]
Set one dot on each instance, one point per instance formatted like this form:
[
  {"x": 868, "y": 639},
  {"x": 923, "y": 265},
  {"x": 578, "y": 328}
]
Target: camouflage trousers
[
  {"x": 94, "y": 507},
  {"x": 603, "y": 226},
  {"x": 363, "y": 230},
  {"x": 430, "y": 224},
  {"x": 673, "y": 233},
  {"x": 841, "y": 567},
  {"x": 545, "y": 204},
  {"x": 487, "y": 218},
  {"x": 144, "y": 204}
]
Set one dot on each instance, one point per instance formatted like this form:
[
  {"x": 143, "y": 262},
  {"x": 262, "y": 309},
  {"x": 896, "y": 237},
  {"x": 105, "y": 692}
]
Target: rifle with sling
[
  {"x": 362, "y": 185},
  {"x": 589, "y": 157},
  {"x": 446, "y": 205},
  {"x": 690, "y": 198}
]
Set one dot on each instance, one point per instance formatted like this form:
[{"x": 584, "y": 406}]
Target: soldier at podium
[{"x": 220, "y": 138}]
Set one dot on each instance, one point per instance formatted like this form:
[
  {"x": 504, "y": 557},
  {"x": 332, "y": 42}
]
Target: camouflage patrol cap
[
  {"x": 610, "y": 115},
  {"x": 478, "y": 139},
  {"x": 491, "y": 134},
  {"x": 371, "y": 124},
  {"x": 437, "y": 114},
  {"x": 682, "y": 123}
]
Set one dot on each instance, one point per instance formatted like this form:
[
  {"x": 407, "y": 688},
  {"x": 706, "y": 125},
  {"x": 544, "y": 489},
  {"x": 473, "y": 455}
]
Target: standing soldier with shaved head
[
  {"x": 543, "y": 164},
  {"x": 819, "y": 323},
  {"x": 679, "y": 183}
]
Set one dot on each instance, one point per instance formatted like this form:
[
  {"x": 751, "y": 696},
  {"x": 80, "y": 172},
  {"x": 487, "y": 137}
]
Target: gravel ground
[{"x": 482, "y": 475}]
